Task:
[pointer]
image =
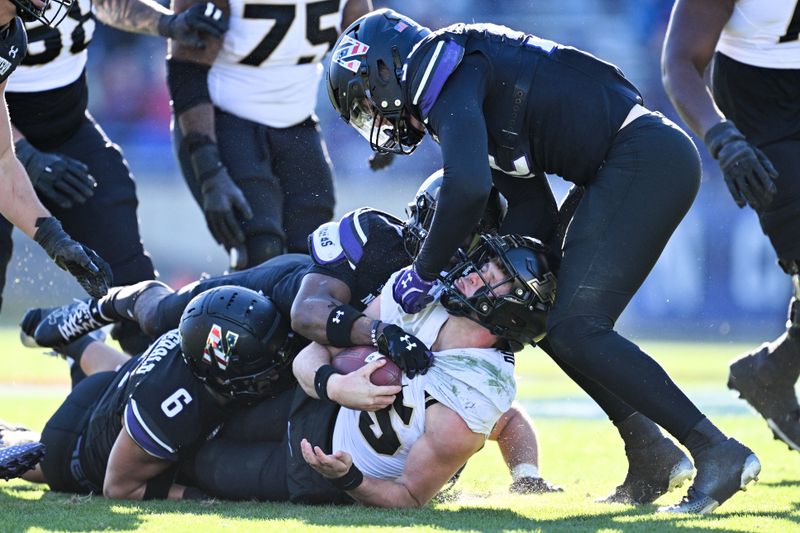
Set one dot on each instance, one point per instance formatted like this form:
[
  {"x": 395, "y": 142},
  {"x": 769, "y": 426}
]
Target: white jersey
[
  {"x": 269, "y": 67},
  {"x": 56, "y": 56},
  {"x": 478, "y": 384},
  {"x": 763, "y": 33}
]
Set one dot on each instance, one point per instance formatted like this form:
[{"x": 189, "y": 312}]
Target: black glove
[
  {"x": 187, "y": 26},
  {"x": 61, "y": 179},
  {"x": 748, "y": 173},
  {"x": 221, "y": 197},
  {"x": 405, "y": 350},
  {"x": 91, "y": 271},
  {"x": 378, "y": 161}
]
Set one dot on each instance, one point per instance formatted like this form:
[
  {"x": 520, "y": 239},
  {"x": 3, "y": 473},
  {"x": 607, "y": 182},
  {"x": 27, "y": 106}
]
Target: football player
[
  {"x": 504, "y": 105},
  {"x": 245, "y": 131},
  {"x": 18, "y": 202},
  {"x": 750, "y": 122},
  {"x": 121, "y": 434},
  {"x": 79, "y": 174},
  {"x": 406, "y": 442}
]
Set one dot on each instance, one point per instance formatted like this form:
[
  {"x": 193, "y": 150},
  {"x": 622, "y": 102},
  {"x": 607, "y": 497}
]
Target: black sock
[
  {"x": 638, "y": 431},
  {"x": 703, "y": 435}
]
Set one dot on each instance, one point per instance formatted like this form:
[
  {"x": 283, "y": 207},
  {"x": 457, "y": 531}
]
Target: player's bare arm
[
  {"x": 129, "y": 470},
  {"x": 138, "y": 16},
  {"x": 444, "y": 447},
  {"x": 689, "y": 46}
]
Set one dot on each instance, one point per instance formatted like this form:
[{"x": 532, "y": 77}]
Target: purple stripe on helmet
[
  {"x": 142, "y": 437},
  {"x": 449, "y": 60},
  {"x": 349, "y": 239}
]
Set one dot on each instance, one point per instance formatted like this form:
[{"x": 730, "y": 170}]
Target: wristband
[
  {"x": 204, "y": 155},
  {"x": 340, "y": 324},
  {"x": 373, "y": 332},
  {"x": 157, "y": 488},
  {"x": 188, "y": 83},
  {"x": 351, "y": 480},
  {"x": 321, "y": 378}
]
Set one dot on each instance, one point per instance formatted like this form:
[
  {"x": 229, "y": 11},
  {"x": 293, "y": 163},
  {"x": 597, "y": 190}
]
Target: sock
[
  {"x": 638, "y": 431},
  {"x": 702, "y": 436}
]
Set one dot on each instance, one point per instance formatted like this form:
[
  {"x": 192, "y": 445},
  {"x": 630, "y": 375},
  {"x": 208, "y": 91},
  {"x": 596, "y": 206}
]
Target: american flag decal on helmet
[
  {"x": 219, "y": 351},
  {"x": 347, "y": 52}
]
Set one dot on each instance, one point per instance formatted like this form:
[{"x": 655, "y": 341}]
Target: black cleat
[
  {"x": 533, "y": 485},
  {"x": 67, "y": 323},
  {"x": 763, "y": 380},
  {"x": 18, "y": 459},
  {"x": 653, "y": 471},
  {"x": 722, "y": 470}
]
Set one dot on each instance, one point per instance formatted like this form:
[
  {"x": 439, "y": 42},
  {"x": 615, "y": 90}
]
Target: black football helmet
[
  {"x": 519, "y": 315},
  {"x": 420, "y": 214},
  {"x": 237, "y": 342},
  {"x": 363, "y": 79},
  {"x": 51, "y": 13}
]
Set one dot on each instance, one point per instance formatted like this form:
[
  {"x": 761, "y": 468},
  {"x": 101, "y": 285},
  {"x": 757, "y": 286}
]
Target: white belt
[{"x": 635, "y": 112}]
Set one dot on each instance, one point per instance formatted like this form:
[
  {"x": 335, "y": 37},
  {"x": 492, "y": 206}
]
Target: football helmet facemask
[
  {"x": 238, "y": 343},
  {"x": 50, "y": 12},
  {"x": 363, "y": 79},
  {"x": 420, "y": 215},
  {"x": 517, "y": 314}
]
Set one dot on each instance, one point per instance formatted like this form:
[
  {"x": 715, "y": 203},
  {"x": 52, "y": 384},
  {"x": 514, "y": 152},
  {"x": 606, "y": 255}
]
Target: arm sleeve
[{"x": 457, "y": 118}]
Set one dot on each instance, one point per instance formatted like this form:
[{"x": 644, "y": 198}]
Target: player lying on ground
[
  {"x": 408, "y": 441},
  {"x": 121, "y": 434}
]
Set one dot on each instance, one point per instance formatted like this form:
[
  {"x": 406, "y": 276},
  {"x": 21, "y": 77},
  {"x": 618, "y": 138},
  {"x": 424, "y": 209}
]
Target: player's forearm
[
  {"x": 310, "y": 318},
  {"x": 18, "y": 201},
  {"x": 198, "y": 119},
  {"x": 137, "y": 16},
  {"x": 384, "y": 493},
  {"x": 306, "y": 364},
  {"x": 691, "y": 97}
]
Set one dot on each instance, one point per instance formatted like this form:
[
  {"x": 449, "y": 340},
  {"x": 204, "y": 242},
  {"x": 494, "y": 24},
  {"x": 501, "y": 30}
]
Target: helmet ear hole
[{"x": 384, "y": 73}]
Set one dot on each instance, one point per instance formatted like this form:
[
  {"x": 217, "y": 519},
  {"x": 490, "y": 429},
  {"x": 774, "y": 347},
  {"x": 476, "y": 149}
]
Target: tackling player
[
  {"x": 122, "y": 434},
  {"x": 751, "y": 125},
  {"x": 406, "y": 442},
  {"x": 245, "y": 132},
  {"x": 505, "y": 106}
]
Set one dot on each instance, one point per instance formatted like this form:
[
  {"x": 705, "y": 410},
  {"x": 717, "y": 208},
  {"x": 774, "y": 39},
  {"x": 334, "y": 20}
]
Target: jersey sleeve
[
  {"x": 337, "y": 247},
  {"x": 146, "y": 434}
]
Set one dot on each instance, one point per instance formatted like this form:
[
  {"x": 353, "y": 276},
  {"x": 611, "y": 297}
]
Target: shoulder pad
[
  {"x": 345, "y": 240},
  {"x": 13, "y": 48},
  {"x": 430, "y": 65}
]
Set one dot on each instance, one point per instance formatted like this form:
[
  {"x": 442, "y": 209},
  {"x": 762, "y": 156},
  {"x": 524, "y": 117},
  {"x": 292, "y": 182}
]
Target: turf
[{"x": 580, "y": 452}]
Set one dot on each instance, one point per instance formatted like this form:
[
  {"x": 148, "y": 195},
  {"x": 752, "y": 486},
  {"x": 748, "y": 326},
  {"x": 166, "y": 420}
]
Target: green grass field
[{"x": 579, "y": 450}]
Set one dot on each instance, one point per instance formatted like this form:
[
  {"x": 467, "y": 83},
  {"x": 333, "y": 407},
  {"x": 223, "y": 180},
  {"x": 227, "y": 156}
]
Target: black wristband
[
  {"x": 188, "y": 84},
  {"x": 203, "y": 154},
  {"x": 373, "y": 332},
  {"x": 49, "y": 232},
  {"x": 351, "y": 480},
  {"x": 340, "y": 324},
  {"x": 157, "y": 488},
  {"x": 321, "y": 378}
]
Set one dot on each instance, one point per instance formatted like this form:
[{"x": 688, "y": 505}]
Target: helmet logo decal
[
  {"x": 347, "y": 52},
  {"x": 400, "y": 26},
  {"x": 216, "y": 349},
  {"x": 544, "y": 288}
]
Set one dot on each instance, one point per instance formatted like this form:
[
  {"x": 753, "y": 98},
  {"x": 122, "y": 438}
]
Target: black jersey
[
  {"x": 155, "y": 397},
  {"x": 13, "y": 47},
  {"x": 575, "y": 101},
  {"x": 362, "y": 250}
]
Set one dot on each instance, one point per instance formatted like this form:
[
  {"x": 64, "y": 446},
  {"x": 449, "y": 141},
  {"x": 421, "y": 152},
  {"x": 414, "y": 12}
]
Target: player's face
[
  {"x": 489, "y": 275},
  {"x": 7, "y": 11}
]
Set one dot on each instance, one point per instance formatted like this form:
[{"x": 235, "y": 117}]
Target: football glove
[
  {"x": 222, "y": 199},
  {"x": 91, "y": 271},
  {"x": 60, "y": 179},
  {"x": 187, "y": 26},
  {"x": 411, "y": 291},
  {"x": 405, "y": 350},
  {"x": 749, "y": 174}
]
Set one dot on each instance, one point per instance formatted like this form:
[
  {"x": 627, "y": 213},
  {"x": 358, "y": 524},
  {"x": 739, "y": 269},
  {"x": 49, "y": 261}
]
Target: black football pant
[
  {"x": 285, "y": 175},
  {"x": 628, "y": 213},
  {"x": 107, "y": 222}
]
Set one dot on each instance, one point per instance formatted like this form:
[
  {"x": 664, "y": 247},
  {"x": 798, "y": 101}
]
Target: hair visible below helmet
[
  {"x": 237, "y": 342},
  {"x": 517, "y": 315},
  {"x": 420, "y": 214},
  {"x": 363, "y": 79},
  {"x": 50, "y": 14}
]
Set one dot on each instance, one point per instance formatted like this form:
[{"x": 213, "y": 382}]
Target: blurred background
[{"x": 717, "y": 280}]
